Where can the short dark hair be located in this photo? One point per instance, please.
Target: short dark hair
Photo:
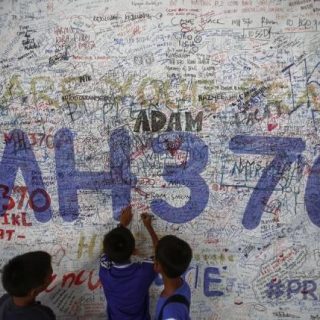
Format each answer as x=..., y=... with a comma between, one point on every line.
x=26, y=272
x=119, y=244
x=174, y=256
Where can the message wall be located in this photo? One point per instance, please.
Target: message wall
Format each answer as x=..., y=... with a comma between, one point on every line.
x=205, y=114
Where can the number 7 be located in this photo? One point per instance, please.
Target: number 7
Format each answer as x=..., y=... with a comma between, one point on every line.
x=285, y=150
x=42, y=135
x=22, y=190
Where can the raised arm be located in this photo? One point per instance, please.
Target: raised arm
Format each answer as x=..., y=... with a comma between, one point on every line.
x=146, y=218
x=125, y=217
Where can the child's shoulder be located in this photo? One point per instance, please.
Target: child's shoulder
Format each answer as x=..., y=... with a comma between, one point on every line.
x=37, y=311
x=4, y=298
x=40, y=311
x=105, y=262
x=146, y=264
x=140, y=260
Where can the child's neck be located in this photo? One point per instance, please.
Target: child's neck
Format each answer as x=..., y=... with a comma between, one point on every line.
x=23, y=301
x=171, y=285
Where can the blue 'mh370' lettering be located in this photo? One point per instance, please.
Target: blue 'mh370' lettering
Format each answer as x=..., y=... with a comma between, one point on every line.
x=18, y=154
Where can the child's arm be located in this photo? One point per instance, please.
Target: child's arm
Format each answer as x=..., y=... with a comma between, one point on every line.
x=125, y=217
x=146, y=218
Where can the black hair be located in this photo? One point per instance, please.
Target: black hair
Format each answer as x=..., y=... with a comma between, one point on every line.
x=26, y=272
x=173, y=255
x=119, y=244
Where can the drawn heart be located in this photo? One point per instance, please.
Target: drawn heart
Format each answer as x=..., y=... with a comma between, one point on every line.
x=271, y=126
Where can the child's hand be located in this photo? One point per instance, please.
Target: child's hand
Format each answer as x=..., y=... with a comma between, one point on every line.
x=146, y=219
x=126, y=216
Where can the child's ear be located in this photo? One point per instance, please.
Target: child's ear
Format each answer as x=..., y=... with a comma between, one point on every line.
x=33, y=293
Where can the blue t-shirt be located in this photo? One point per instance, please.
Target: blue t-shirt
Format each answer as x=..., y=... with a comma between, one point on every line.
x=175, y=310
x=36, y=311
x=126, y=288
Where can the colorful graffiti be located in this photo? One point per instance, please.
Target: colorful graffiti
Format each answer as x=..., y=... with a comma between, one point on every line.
x=203, y=113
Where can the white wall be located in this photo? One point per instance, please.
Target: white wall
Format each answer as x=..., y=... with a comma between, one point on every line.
x=82, y=81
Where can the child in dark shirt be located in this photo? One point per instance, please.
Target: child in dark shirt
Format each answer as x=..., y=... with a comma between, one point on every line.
x=24, y=277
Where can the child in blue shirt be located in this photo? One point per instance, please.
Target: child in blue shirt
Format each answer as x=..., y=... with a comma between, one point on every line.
x=126, y=284
x=24, y=277
x=172, y=259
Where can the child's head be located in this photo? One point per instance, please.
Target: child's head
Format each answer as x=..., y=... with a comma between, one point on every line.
x=27, y=274
x=119, y=244
x=173, y=255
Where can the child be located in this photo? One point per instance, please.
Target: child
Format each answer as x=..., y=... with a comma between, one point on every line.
x=126, y=284
x=172, y=259
x=24, y=277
